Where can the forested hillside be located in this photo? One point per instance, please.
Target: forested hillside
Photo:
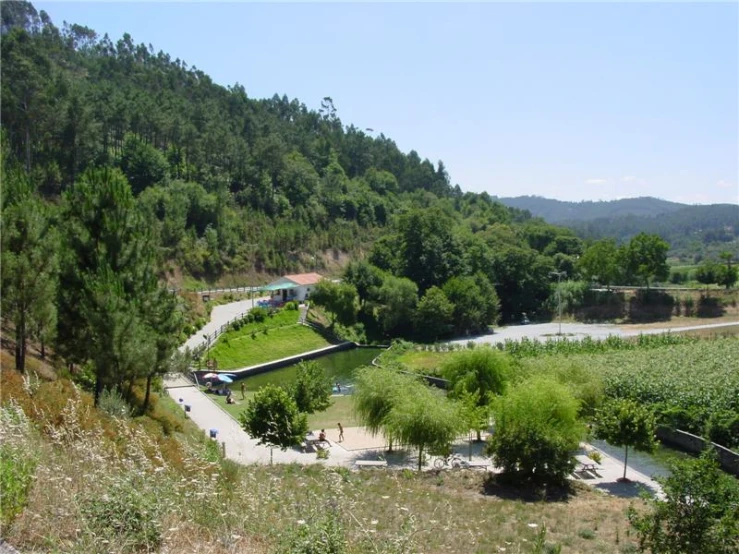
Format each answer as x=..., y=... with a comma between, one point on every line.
x=693, y=232
x=559, y=211
x=233, y=185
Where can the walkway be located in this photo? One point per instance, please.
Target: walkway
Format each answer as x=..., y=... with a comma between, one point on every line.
x=219, y=316
x=358, y=444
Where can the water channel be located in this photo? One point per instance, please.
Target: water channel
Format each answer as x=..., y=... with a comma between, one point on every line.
x=651, y=465
x=338, y=366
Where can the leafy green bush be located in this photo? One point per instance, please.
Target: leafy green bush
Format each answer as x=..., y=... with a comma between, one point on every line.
x=536, y=432
x=723, y=428
x=259, y=314
x=291, y=306
x=17, y=472
x=595, y=456
x=697, y=513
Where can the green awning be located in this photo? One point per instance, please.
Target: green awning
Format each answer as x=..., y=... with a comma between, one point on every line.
x=279, y=286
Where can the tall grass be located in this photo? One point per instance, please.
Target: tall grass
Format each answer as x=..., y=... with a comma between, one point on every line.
x=104, y=484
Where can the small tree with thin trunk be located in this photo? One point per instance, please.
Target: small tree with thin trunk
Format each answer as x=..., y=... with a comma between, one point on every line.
x=273, y=417
x=312, y=389
x=625, y=423
x=474, y=416
x=425, y=419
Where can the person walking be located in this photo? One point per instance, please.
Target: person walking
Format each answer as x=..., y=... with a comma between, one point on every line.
x=341, y=433
x=243, y=391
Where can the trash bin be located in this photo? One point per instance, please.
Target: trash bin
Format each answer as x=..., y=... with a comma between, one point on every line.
x=213, y=433
x=187, y=407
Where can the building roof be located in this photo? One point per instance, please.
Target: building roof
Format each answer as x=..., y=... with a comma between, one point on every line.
x=304, y=278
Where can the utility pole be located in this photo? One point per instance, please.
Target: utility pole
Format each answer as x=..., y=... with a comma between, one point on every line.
x=559, y=275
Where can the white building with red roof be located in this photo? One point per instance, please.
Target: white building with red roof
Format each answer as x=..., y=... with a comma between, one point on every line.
x=293, y=287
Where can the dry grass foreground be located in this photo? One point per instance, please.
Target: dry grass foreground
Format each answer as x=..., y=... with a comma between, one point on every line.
x=107, y=485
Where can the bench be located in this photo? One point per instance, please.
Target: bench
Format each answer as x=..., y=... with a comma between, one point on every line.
x=371, y=463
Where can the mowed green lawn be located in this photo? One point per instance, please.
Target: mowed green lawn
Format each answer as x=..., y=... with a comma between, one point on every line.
x=243, y=350
x=422, y=359
x=340, y=409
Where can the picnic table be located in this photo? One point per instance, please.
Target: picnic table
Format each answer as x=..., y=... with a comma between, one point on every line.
x=586, y=464
x=312, y=441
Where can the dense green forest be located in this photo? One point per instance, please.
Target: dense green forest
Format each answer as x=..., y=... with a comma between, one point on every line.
x=693, y=232
x=559, y=211
x=228, y=184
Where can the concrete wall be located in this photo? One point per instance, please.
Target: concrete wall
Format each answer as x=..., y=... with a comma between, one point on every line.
x=728, y=459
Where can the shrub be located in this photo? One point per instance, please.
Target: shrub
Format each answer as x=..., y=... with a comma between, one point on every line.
x=723, y=428
x=291, y=306
x=697, y=513
x=113, y=404
x=17, y=465
x=258, y=314
x=595, y=456
x=536, y=432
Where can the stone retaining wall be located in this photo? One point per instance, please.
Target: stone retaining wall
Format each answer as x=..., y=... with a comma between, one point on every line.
x=728, y=459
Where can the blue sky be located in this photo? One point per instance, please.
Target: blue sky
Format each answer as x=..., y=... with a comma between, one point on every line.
x=575, y=101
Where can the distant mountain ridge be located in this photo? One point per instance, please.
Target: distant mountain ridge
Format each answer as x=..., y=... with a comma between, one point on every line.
x=558, y=211
x=704, y=230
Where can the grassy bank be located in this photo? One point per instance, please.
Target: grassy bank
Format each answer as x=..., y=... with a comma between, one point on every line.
x=249, y=347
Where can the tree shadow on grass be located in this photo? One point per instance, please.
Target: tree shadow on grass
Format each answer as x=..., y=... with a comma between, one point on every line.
x=505, y=487
x=624, y=489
